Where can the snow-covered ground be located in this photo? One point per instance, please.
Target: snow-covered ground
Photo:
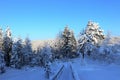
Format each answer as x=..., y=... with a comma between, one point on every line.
x=85, y=70
x=35, y=73
x=29, y=73
x=91, y=70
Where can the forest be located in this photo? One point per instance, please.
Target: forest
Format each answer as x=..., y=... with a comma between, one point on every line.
x=91, y=44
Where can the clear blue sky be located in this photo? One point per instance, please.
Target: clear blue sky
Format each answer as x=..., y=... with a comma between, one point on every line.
x=43, y=19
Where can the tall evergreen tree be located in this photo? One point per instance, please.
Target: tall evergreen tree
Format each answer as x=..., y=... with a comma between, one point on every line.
x=17, y=54
x=2, y=62
x=69, y=46
x=7, y=46
x=57, y=46
x=68, y=43
x=1, y=38
x=27, y=51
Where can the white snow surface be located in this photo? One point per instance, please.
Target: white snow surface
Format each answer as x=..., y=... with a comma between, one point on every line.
x=84, y=69
x=88, y=70
x=35, y=73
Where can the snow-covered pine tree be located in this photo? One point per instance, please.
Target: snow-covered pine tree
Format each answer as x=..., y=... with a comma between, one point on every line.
x=94, y=33
x=69, y=44
x=27, y=51
x=17, y=54
x=90, y=38
x=7, y=46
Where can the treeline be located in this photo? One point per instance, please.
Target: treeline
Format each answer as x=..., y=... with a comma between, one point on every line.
x=17, y=53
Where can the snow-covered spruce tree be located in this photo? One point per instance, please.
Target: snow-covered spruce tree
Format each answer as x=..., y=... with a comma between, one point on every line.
x=2, y=62
x=1, y=38
x=7, y=46
x=57, y=46
x=27, y=51
x=90, y=38
x=68, y=44
x=17, y=54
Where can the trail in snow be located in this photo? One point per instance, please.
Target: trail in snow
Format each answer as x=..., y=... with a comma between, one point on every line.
x=67, y=73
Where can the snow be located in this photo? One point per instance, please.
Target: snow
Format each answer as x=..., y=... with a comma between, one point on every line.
x=97, y=71
x=90, y=73
x=67, y=73
x=35, y=73
x=83, y=69
x=29, y=73
x=75, y=74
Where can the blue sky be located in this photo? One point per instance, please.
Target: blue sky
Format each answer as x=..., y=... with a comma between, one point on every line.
x=43, y=19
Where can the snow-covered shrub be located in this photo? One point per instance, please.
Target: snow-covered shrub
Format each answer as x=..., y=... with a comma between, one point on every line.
x=108, y=53
x=46, y=55
x=47, y=70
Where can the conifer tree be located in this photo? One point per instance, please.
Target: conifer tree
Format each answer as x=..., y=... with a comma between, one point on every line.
x=2, y=62
x=1, y=38
x=27, y=51
x=90, y=37
x=68, y=43
x=7, y=46
x=17, y=54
